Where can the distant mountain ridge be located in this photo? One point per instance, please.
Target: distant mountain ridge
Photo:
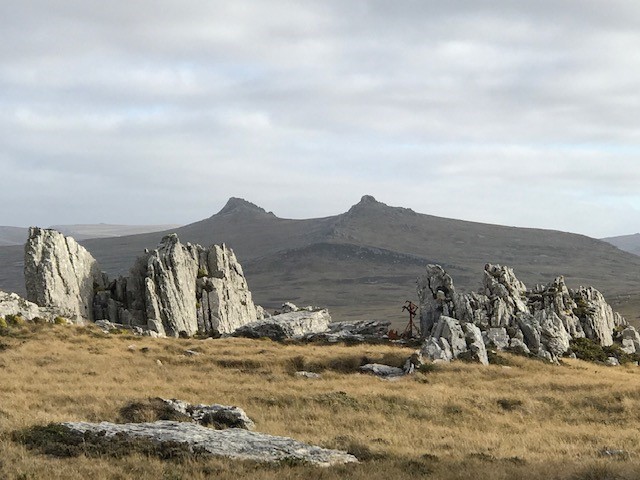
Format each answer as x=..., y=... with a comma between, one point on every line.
x=363, y=263
x=628, y=243
x=18, y=235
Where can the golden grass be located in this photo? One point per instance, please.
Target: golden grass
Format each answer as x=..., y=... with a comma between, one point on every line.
x=459, y=421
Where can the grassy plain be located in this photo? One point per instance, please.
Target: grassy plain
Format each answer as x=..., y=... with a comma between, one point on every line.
x=521, y=420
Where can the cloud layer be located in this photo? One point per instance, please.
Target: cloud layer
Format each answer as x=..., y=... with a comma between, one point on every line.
x=519, y=113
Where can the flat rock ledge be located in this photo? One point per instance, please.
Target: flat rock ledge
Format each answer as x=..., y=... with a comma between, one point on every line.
x=231, y=443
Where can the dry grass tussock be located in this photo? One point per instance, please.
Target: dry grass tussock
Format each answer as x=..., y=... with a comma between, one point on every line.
x=460, y=421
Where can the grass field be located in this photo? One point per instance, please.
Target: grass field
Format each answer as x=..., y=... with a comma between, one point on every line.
x=521, y=420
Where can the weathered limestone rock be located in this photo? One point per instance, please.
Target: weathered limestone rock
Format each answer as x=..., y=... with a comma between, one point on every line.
x=553, y=336
x=289, y=307
x=361, y=331
x=517, y=345
x=218, y=416
x=556, y=298
x=612, y=362
x=504, y=315
x=287, y=325
x=13, y=304
x=596, y=316
x=181, y=290
x=497, y=338
x=435, y=296
x=170, y=288
x=630, y=340
x=232, y=443
x=436, y=350
x=449, y=329
x=61, y=274
x=506, y=295
x=381, y=370
x=476, y=348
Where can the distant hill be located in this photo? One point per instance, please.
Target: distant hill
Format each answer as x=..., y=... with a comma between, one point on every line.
x=364, y=263
x=628, y=243
x=18, y=235
x=13, y=236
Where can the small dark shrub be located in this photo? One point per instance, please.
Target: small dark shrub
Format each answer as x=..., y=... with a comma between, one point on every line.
x=588, y=350
x=509, y=404
x=15, y=320
x=359, y=450
x=150, y=410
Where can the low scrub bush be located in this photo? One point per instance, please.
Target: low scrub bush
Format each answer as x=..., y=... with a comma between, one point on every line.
x=15, y=320
x=59, y=441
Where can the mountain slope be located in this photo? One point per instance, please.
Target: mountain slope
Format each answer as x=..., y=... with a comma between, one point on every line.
x=363, y=263
x=628, y=243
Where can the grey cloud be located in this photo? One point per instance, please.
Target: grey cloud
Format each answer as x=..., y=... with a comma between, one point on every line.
x=510, y=112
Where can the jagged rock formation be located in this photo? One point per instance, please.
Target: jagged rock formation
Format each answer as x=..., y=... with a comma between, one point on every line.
x=180, y=290
x=231, y=443
x=61, y=274
x=174, y=290
x=295, y=324
x=505, y=315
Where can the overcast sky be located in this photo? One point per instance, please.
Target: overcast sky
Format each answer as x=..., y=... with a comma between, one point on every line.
x=154, y=111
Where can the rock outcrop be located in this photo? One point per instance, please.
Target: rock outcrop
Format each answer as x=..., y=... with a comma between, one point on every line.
x=13, y=304
x=173, y=290
x=61, y=274
x=180, y=290
x=504, y=315
x=295, y=324
x=232, y=443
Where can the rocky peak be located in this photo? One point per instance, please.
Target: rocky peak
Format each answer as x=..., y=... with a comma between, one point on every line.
x=240, y=205
x=368, y=204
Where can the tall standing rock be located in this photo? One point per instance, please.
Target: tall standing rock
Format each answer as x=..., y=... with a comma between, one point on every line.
x=170, y=288
x=60, y=274
x=224, y=300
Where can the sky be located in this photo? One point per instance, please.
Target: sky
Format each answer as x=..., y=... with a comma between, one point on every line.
x=154, y=112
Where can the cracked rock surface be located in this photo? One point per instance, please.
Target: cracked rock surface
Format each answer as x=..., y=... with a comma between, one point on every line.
x=232, y=443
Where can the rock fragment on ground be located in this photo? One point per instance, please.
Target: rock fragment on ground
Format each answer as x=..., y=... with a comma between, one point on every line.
x=381, y=370
x=294, y=325
x=231, y=443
